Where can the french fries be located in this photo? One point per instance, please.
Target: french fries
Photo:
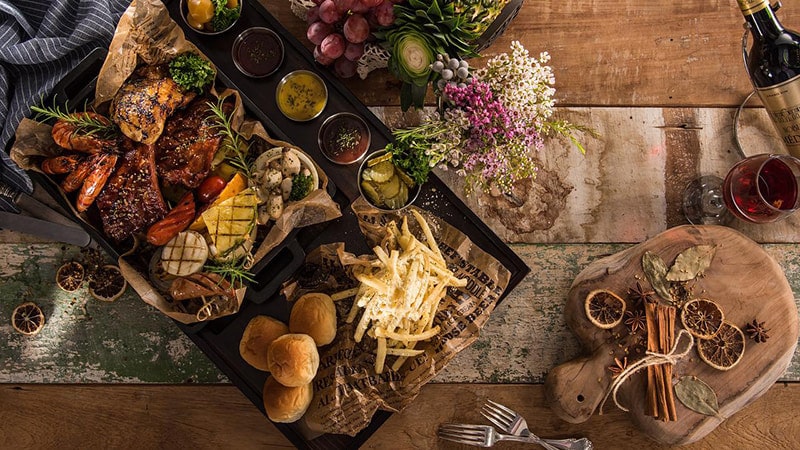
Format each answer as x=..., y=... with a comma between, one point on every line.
x=400, y=292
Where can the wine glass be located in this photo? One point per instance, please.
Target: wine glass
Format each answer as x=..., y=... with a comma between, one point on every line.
x=763, y=188
x=703, y=202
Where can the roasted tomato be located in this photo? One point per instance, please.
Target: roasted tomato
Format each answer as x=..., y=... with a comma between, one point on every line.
x=210, y=188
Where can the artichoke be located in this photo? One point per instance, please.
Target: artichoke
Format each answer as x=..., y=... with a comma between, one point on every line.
x=421, y=30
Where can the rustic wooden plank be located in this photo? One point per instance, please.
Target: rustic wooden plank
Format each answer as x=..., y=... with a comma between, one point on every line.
x=92, y=416
x=130, y=342
x=674, y=54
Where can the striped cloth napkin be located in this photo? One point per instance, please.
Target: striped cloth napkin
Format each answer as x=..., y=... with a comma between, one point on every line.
x=40, y=42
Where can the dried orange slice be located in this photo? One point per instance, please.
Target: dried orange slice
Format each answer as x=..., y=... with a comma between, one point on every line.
x=107, y=283
x=702, y=318
x=70, y=276
x=27, y=318
x=604, y=308
x=725, y=349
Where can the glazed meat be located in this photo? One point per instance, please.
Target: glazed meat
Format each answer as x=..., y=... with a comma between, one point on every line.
x=131, y=200
x=186, y=148
x=143, y=104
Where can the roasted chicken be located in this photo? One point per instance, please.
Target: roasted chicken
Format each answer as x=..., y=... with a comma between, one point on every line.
x=142, y=105
x=187, y=146
x=131, y=200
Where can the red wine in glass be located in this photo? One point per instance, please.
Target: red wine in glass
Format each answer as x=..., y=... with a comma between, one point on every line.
x=763, y=188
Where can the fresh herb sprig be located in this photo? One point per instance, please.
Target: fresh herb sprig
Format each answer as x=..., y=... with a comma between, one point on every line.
x=409, y=152
x=235, y=146
x=191, y=72
x=84, y=124
x=224, y=16
x=233, y=271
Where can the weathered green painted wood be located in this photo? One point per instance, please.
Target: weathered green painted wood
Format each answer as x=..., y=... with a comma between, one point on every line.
x=127, y=341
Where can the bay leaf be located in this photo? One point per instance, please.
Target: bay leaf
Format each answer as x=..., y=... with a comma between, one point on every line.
x=691, y=262
x=696, y=395
x=655, y=269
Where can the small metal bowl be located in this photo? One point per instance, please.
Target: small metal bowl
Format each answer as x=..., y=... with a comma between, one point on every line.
x=257, y=52
x=327, y=136
x=413, y=192
x=185, y=12
x=310, y=107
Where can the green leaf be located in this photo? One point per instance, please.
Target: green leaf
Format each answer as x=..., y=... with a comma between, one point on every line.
x=691, y=262
x=405, y=96
x=435, y=11
x=697, y=395
x=656, y=271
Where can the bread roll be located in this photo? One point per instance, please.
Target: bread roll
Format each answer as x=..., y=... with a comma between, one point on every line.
x=293, y=359
x=315, y=315
x=286, y=404
x=259, y=333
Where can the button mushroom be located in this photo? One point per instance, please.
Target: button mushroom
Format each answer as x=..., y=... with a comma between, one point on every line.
x=290, y=163
x=275, y=206
x=286, y=188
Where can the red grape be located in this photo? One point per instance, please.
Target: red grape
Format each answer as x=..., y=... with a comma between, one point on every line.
x=328, y=12
x=360, y=8
x=384, y=14
x=344, y=68
x=317, y=2
x=371, y=3
x=332, y=46
x=344, y=5
x=356, y=29
x=354, y=51
x=312, y=15
x=322, y=59
x=318, y=31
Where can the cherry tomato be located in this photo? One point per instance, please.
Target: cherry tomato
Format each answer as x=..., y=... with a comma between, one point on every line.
x=210, y=188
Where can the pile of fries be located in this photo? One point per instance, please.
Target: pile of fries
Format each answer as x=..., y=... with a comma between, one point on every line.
x=400, y=292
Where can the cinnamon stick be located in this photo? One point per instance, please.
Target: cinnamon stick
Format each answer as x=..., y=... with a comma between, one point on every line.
x=652, y=346
x=660, y=320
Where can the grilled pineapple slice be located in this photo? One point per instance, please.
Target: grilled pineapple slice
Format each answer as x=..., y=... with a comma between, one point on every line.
x=229, y=223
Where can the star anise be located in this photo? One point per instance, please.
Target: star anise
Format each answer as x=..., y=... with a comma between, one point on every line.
x=618, y=367
x=635, y=320
x=638, y=295
x=757, y=331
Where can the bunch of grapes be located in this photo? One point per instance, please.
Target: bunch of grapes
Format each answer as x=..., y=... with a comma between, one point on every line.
x=339, y=29
x=452, y=71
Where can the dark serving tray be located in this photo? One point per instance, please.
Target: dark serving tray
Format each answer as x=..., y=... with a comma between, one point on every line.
x=219, y=339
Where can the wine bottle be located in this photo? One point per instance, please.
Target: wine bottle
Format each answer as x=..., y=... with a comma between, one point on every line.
x=773, y=64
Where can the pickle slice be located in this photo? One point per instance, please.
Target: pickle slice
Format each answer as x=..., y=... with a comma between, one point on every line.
x=390, y=188
x=407, y=180
x=374, y=161
x=380, y=173
x=372, y=192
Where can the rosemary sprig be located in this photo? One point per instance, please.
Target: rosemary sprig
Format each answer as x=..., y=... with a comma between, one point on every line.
x=233, y=271
x=236, y=147
x=84, y=123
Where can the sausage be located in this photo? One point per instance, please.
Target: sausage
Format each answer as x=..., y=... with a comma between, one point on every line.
x=199, y=285
x=95, y=181
x=176, y=220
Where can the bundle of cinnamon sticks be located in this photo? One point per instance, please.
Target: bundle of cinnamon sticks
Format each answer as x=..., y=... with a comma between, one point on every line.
x=660, y=339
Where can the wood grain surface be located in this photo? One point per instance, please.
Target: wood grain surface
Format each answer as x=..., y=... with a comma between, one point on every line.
x=742, y=279
x=219, y=416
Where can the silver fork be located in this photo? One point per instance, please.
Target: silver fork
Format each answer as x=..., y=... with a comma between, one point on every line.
x=479, y=435
x=508, y=421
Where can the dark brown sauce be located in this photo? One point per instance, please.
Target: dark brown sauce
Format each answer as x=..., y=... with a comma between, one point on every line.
x=344, y=139
x=258, y=52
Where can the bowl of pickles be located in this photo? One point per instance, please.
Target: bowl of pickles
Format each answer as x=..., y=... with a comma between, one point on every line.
x=384, y=185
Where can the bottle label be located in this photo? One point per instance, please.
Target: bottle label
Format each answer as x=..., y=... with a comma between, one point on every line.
x=782, y=102
x=749, y=7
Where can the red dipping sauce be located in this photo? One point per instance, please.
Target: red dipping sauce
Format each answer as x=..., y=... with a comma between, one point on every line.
x=258, y=52
x=344, y=138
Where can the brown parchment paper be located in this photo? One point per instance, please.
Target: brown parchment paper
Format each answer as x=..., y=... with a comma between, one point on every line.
x=146, y=34
x=347, y=391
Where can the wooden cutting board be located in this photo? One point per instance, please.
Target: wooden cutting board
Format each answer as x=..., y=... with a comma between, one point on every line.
x=746, y=283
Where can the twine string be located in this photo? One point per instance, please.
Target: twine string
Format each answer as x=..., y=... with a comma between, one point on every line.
x=650, y=359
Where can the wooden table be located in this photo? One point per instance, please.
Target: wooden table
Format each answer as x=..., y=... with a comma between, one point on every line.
x=660, y=82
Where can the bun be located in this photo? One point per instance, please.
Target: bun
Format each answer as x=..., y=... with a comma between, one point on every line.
x=315, y=315
x=286, y=404
x=293, y=359
x=257, y=336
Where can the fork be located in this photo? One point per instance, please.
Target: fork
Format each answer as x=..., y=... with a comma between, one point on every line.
x=508, y=421
x=479, y=435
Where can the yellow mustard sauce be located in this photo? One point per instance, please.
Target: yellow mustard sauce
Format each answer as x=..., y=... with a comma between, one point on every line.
x=302, y=96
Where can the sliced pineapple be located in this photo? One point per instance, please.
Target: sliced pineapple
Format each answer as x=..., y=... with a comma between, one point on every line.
x=229, y=223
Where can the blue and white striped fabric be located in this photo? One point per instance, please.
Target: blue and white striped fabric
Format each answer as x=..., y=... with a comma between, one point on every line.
x=40, y=42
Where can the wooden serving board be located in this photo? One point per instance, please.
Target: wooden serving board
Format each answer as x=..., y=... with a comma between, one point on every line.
x=746, y=283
